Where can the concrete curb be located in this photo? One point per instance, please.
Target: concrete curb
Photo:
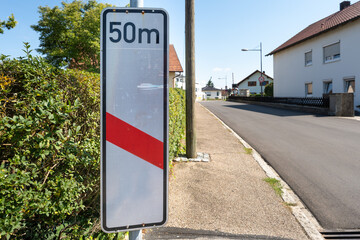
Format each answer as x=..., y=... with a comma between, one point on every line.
x=301, y=213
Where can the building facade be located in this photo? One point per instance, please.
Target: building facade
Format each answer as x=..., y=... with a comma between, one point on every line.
x=211, y=92
x=199, y=94
x=321, y=59
x=175, y=68
x=252, y=83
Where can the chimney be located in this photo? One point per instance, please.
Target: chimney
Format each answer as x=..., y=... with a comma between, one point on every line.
x=344, y=5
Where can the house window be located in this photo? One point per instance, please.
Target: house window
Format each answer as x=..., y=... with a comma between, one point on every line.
x=217, y=94
x=252, y=84
x=349, y=85
x=328, y=87
x=308, y=89
x=208, y=94
x=332, y=52
x=308, y=58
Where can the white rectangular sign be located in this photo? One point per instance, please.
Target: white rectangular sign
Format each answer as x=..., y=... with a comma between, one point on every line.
x=134, y=118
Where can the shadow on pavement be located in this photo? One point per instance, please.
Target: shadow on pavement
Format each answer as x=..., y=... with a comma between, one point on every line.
x=272, y=110
x=186, y=233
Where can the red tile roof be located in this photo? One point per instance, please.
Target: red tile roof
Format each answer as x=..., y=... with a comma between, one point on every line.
x=337, y=19
x=174, y=63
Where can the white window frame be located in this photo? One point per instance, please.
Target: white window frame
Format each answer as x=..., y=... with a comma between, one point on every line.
x=333, y=58
x=346, y=84
x=310, y=62
x=326, y=84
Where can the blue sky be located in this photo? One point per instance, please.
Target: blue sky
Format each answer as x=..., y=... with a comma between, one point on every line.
x=222, y=29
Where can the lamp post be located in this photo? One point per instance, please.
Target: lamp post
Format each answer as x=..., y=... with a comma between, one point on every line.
x=225, y=78
x=261, y=71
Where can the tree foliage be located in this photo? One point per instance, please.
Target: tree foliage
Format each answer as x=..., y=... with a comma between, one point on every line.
x=269, y=90
x=70, y=34
x=9, y=24
x=210, y=83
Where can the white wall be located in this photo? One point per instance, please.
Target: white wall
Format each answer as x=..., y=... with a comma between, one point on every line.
x=171, y=79
x=199, y=93
x=290, y=73
x=257, y=88
x=213, y=94
x=179, y=82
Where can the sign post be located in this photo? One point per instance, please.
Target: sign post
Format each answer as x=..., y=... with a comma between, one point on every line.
x=134, y=118
x=261, y=79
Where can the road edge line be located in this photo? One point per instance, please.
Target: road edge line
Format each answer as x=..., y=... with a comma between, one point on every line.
x=300, y=212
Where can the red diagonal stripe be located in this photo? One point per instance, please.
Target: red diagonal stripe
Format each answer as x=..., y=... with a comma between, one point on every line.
x=134, y=141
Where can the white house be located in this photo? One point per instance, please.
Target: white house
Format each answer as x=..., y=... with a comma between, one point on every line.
x=252, y=83
x=212, y=93
x=179, y=81
x=199, y=94
x=323, y=58
x=175, y=68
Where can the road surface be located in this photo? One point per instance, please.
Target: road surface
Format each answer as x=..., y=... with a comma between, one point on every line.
x=318, y=156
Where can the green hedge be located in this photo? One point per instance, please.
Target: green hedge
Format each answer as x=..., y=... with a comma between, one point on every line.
x=269, y=90
x=176, y=122
x=50, y=150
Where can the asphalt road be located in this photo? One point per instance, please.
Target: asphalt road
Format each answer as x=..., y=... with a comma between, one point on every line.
x=318, y=156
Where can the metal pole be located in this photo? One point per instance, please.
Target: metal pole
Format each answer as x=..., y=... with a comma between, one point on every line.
x=261, y=68
x=190, y=78
x=136, y=234
x=136, y=3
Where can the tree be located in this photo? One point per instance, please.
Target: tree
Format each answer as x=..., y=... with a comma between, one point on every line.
x=70, y=34
x=269, y=90
x=10, y=23
x=210, y=83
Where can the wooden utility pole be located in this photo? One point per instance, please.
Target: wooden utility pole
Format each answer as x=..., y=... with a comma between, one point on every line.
x=190, y=78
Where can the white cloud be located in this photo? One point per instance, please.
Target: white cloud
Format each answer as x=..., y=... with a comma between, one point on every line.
x=217, y=69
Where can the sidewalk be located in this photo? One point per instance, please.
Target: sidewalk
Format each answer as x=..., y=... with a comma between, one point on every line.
x=225, y=198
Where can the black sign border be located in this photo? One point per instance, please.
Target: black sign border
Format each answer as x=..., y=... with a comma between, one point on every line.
x=103, y=123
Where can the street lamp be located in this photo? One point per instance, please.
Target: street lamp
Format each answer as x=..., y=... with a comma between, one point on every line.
x=225, y=78
x=261, y=71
